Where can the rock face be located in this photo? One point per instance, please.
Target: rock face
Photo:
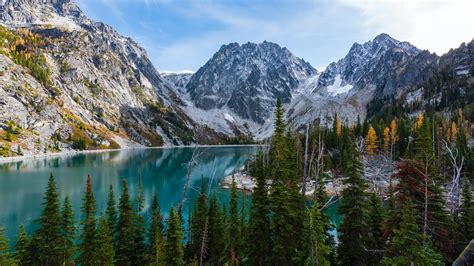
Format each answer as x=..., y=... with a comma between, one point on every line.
x=247, y=79
x=101, y=85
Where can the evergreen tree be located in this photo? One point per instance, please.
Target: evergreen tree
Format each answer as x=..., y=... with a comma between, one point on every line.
x=88, y=235
x=105, y=254
x=155, y=233
x=318, y=252
x=48, y=241
x=22, y=255
x=112, y=212
x=375, y=238
x=125, y=229
x=259, y=228
x=406, y=247
x=466, y=214
x=198, y=225
x=174, y=251
x=216, y=250
x=353, y=207
x=68, y=232
x=4, y=250
x=139, y=227
x=233, y=226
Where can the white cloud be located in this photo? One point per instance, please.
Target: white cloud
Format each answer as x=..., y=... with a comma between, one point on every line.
x=433, y=25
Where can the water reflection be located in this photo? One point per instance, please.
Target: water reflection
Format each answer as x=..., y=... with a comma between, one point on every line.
x=22, y=184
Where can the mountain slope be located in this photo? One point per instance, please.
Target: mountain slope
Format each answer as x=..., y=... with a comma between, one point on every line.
x=102, y=84
x=247, y=79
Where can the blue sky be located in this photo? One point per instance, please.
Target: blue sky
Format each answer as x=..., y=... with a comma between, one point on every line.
x=181, y=35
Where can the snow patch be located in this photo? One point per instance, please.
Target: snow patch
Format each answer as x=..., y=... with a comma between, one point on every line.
x=336, y=88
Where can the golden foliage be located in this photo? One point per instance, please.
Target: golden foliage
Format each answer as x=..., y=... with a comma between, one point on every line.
x=371, y=141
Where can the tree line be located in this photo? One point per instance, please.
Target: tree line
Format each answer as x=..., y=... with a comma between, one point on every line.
x=424, y=216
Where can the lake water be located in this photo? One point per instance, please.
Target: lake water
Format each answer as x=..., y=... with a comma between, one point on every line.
x=22, y=184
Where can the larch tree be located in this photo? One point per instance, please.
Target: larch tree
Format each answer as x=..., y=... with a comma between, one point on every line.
x=386, y=140
x=371, y=141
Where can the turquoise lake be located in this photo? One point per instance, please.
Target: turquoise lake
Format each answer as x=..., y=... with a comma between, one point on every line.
x=164, y=170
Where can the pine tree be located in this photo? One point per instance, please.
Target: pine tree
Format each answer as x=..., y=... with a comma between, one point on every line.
x=406, y=247
x=68, y=232
x=234, y=232
x=4, y=249
x=259, y=228
x=353, y=207
x=198, y=225
x=375, y=238
x=125, y=229
x=371, y=141
x=112, y=212
x=105, y=254
x=318, y=252
x=174, y=251
x=155, y=233
x=216, y=250
x=466, y=214
x=48, y=237
x=88, y=235
x=139, y=227
x=22, y=255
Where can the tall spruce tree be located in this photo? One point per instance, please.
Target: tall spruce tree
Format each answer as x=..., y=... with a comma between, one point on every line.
x=125, y=229
x=105, y=254
x=353, y=208
x=111, y=213
x=406, y=247
x=174, y=240
x=198, y=225
x=317, y=252
x=155, y=233
x=48, y=241
x=259, y=227
x=216, y=250
x=68, y=232
x=466, y=214
x=5, y=256
x=88, y=236
x=22, y=255
x=139, y=226
x=375, y=239
x=233, y=226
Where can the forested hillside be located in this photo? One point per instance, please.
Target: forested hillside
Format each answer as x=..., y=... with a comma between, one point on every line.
x=420, y=213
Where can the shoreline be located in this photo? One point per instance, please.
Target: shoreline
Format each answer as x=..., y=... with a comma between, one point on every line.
x=13, y=159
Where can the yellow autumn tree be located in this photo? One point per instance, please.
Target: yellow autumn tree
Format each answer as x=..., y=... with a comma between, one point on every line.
x=453, y=131
x=338, y=126
x=371, y=141
x=386, y=139
x=419, y=121
x=393, y=135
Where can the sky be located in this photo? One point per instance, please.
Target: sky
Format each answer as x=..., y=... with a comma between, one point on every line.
x=181, y=35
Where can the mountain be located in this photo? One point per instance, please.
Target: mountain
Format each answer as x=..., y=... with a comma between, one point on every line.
x=247, y=79
x=96, y=85
x=382, y=67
